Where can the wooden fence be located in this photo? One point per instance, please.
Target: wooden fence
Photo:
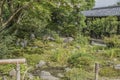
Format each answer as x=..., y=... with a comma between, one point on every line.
x=14, y=61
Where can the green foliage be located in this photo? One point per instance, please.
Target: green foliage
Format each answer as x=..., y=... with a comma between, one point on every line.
x=79, y=74
x=81, y=60
x=66, y=17
x=82, y=40
x=118, y=3
x=109, y=72
x=113, y=41
x=103, y=26
x=6, y=45
x=33, y=59
x=112, y=53
x=60, y=56
x=5, y=68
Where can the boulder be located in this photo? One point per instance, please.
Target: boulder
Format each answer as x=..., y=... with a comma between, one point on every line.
x=18, y=42
x=45, y=73
x=67, y=69
x=12, y=73
x=77, y=47
x=47, y=76
x=117, y=66
x=48, y=38
x=68, y=39
x=24, y=43
x=4, y=78
x=60, y=75
x=30, y=76
x=32, y=36
x=41, y=64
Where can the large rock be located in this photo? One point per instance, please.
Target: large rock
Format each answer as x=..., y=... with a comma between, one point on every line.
x=97, y=42
x=48, y=38
x=4, y=78
x=30, y=76
x=47, y=76
x=12, y=73
x=68, y=39
x=60, y=75
x=117, y=66
x=41, y=64
x=67, y=69
x=32, y=36
x=24, y=43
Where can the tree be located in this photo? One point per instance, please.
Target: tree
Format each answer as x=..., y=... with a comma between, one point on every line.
x=21, y=18
x=103, y=27
x=67, y=18
x=10, y=12
x=118, y=3
x=65, y=11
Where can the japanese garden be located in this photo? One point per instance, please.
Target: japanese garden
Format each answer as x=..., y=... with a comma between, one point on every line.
x=60, y=40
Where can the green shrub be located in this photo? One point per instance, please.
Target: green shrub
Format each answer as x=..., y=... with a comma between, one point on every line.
x=81, y=60
x=5, y=68
x=113, y=41
x=33, y=59
x=79, y=74
x=82, y=39
x=111, y=53
x=60, y=56
x=109, y=72
x=103, y=27
x=6, y=45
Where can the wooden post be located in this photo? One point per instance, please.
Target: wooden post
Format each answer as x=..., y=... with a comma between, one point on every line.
x=96, y=71
x=18, y=71
x=14, y=61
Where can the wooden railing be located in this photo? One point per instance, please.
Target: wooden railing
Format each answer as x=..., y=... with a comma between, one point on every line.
x=14, y=61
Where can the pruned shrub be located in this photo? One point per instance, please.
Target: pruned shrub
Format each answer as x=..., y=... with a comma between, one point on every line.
x=81, y=60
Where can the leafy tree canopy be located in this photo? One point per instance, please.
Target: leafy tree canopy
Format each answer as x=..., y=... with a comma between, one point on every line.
x=32, y=15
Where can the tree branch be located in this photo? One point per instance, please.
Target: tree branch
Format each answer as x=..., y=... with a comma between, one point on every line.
x=1, y=11
x=12, y=17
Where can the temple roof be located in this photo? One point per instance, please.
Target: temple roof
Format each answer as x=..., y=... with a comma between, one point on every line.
x=103, y=11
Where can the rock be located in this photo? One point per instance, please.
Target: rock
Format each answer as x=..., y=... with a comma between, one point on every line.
x=30, y=76
x=60, y=75
x=32, y=36
x=41, y=64
x=68, y=39
x=4, y=78
x=12, y=73
x=51, y=39
x=67, y=69
x=109, y=63
x=24, y=43
x=18, y=42
x=97, y=42
x=48, y=38
x=47, y=76
x=45, y=73
x=78, y=47
x=117, y=66
x=115, y=59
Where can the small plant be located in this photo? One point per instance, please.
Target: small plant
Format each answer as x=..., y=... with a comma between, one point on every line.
x=81, y=60
x=113, y=41
x=79, y=74
x=109, y=72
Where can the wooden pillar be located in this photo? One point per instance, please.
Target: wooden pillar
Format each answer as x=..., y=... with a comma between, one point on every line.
x=18, y=71
x=14, y=61
x=96, y=71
